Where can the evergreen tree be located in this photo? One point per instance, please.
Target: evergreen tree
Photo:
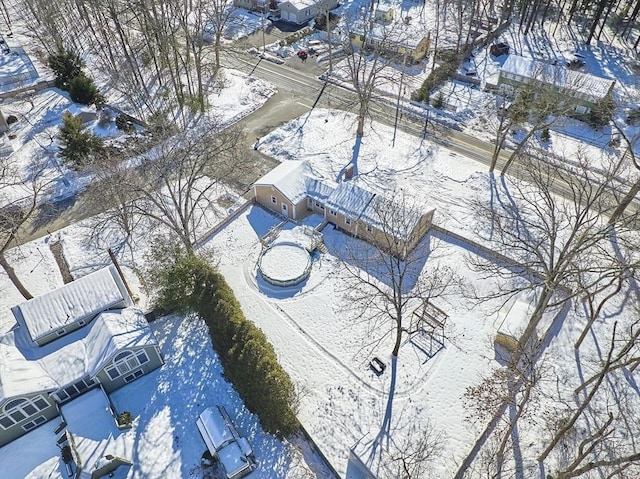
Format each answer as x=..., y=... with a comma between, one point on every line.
x=83, y=90
x=601, y=113
x=66, y=65
x=77, y=145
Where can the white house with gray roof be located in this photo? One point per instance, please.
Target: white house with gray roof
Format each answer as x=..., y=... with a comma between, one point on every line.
x=583, y=89
x=99, y=340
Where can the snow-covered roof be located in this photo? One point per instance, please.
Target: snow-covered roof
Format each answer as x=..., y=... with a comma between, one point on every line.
x=386, y=215
x=76, y=109
x=97, y=440
x=558, y=75
x=289, y=177
x=81, y=299
x=517, y=315
x=301, y=4
x=318, y=189
x=397, y=33
x=349, y=199
x=26, y=368
x=214, y=429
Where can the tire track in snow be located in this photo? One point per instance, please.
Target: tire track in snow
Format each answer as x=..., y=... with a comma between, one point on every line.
x=417, y=385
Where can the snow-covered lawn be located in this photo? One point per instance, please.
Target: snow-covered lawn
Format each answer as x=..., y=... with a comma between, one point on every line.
x=34, y=143
x=326, y=349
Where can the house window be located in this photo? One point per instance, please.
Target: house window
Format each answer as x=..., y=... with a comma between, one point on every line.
x=61, y=332
x=6, y=422
x=142, y=357
x=333, y=213
x=20, y=409
x=274, y=200
x=126, y=362
x=347, y=221
x=133, y=376
x=74, y=389
x=36, y=422
x=369, y=228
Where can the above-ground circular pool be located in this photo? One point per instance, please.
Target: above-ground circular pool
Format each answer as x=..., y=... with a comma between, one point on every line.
x=285, y=264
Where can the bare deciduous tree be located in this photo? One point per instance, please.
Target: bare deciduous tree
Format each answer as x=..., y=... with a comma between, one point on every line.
x=175, y=184
x=551, y=226
x=387, y=280
x=20, y=199
x=370, y=62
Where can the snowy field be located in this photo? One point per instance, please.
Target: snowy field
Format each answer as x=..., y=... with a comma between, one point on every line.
x=320, y=340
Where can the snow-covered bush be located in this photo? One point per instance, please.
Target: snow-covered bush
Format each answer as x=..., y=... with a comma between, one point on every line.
x=188, y=283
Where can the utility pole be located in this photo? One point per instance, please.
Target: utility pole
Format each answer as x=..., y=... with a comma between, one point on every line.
x=262, y=9
x=395, y=125
x=328, y=27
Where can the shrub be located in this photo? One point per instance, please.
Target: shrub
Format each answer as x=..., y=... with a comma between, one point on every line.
x=78, y=146
x=66, y=65
x=124, y=418
x=83, y=90
x=438, y=102
x=189, y=283
x=321, y=20
x=11, y=119
x=124, y=124
x=601, y=113
x=545, y=135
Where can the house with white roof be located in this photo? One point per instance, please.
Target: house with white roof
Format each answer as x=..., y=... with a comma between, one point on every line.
x=301, y=11
x=390, y=37
x=293, y=11
x=582, y=89
x=81, y=336
x=292, y=190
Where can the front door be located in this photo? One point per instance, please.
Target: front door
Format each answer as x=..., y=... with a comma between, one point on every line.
x=285, y=212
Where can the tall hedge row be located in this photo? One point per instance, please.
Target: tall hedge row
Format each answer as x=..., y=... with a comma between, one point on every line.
x=249, y=360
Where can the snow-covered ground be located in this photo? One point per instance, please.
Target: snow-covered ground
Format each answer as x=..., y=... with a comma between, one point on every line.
x=322, y=342
x=34, y=138
x=164, y=441
x=320, y=339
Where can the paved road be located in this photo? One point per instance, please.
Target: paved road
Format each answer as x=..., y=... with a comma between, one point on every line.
x=298, y=87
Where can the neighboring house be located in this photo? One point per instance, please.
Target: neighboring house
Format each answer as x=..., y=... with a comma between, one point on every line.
x=66, y=342
x=582, y=89
x=293, y=11
x=392, y=39
x=301, y=11
x=291, y=190
x=383, y=15
x=256, y=5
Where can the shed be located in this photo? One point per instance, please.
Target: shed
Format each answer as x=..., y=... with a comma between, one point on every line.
x=85, y=113
x=516, y=316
